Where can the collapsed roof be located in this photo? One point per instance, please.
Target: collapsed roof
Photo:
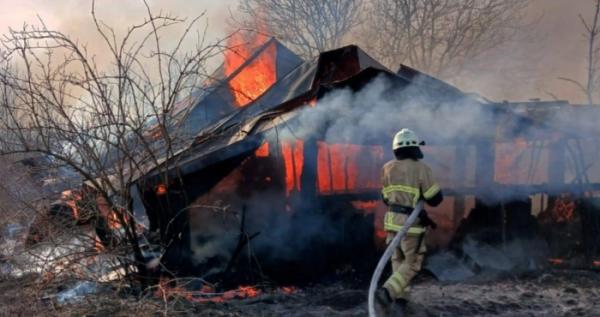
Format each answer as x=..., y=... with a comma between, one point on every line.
x=224, y=124
x=216, y=121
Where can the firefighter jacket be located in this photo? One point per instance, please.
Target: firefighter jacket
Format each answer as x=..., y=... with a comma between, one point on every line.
x=404, y=183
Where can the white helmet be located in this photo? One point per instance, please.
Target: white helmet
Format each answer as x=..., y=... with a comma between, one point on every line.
x=405, y=138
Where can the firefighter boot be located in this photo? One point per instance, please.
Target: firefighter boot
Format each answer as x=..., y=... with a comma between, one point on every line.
x=399, y=308
x=383, y=302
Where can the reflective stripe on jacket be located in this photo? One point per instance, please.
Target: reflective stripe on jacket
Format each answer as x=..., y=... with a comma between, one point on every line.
x=404, y=183
x=393, y=222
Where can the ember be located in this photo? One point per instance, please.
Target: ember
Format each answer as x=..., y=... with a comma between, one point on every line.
x=161, y=189
x=288, y=290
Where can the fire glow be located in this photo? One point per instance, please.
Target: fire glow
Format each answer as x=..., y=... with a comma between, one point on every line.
x=556, y=261
x=337, y=167
x=254, y=78
x=564, y=209
x=376, y=208
x=293, y=155
x=507, y=158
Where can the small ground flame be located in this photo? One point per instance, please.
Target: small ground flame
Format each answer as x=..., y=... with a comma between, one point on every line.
x=169, y=289
x=556, y=261
x=288, y=290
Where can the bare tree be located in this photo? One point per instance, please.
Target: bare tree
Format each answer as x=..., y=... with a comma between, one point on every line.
x=592, y=29
x=307, y=27
x=439, y=36
x=109, y=122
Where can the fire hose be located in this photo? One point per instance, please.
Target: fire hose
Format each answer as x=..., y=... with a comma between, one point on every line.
x=388, y=254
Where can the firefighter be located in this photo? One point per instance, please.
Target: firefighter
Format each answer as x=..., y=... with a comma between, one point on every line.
x=405, y=181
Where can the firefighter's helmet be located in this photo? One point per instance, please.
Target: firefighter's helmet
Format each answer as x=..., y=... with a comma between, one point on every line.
x=406, y=138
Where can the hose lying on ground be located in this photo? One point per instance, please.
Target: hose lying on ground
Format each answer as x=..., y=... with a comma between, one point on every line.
x=388, y=254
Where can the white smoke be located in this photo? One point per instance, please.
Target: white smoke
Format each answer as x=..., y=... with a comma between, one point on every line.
x=380, y=109
x=373, y=114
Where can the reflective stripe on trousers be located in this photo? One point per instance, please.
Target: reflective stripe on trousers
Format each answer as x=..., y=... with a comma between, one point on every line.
x=396, y=284
x=407, y=261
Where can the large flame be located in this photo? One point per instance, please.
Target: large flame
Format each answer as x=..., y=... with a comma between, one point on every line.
x=348, y=167
x=340, y=167
x=257, y=76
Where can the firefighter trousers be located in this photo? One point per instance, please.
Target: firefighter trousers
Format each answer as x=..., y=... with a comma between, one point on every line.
x=406, y=263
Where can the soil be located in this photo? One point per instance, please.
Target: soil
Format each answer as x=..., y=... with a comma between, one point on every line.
x=549, y=293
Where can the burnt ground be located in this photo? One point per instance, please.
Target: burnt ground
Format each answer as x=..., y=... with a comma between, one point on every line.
x=552, y=293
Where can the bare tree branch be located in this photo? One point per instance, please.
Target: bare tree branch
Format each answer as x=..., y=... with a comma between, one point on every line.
x=439, y=36
x=307, y=27
x=56, y=101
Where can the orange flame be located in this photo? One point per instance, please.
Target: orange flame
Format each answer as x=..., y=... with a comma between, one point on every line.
x=293, y=158
x=338, y=167
x=161, y=189
x=380, y=234
x=257, y=76
x=113, y=221
x=367, y=206
x=71, y=197
x=98, y=245
x=249, y=291
x=205, y=295
x=263, y=150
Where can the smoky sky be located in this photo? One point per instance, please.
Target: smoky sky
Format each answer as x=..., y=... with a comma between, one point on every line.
x=551, y=46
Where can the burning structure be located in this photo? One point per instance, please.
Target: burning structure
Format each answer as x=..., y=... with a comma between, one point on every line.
x=285, y=156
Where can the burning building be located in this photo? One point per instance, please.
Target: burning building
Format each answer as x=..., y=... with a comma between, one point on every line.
x=283, y=164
